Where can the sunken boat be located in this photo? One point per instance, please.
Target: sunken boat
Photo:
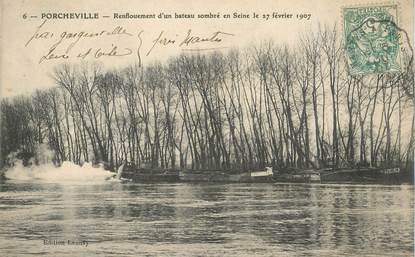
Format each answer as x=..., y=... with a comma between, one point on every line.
x=147, y=174
x=298, y=176
x=362, y=175
x=226, y=176
x=367, y=175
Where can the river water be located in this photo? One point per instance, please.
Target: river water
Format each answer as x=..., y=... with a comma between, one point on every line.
x=205, y=219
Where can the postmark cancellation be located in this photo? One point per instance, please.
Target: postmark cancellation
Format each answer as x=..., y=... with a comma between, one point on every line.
x=372, y=39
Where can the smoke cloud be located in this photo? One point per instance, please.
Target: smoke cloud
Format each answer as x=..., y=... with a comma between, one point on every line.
x=40, y=168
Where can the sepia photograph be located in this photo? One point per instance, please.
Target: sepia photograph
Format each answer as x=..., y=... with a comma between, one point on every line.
x=207, y=128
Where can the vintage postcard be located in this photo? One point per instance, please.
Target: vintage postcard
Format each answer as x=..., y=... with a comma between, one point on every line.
x=207, y=128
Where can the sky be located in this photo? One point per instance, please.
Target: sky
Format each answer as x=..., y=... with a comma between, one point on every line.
x=28, y=56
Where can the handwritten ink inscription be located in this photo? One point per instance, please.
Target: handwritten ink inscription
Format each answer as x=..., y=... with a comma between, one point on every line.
x=118, y=41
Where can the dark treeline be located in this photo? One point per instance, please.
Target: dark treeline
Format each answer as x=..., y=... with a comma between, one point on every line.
x=265, y=105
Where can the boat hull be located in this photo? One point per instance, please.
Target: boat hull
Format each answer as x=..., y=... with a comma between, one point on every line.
x=213, y=177
x=220, y=176
x=367, y=175
x=298, y=178
x=151, y=176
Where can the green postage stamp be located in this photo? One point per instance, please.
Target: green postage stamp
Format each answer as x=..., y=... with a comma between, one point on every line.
x=372, y=39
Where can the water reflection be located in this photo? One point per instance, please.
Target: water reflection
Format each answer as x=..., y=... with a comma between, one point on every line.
x=208, y=219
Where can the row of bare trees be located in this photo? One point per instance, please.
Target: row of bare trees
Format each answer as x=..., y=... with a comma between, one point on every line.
x=265, y=105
